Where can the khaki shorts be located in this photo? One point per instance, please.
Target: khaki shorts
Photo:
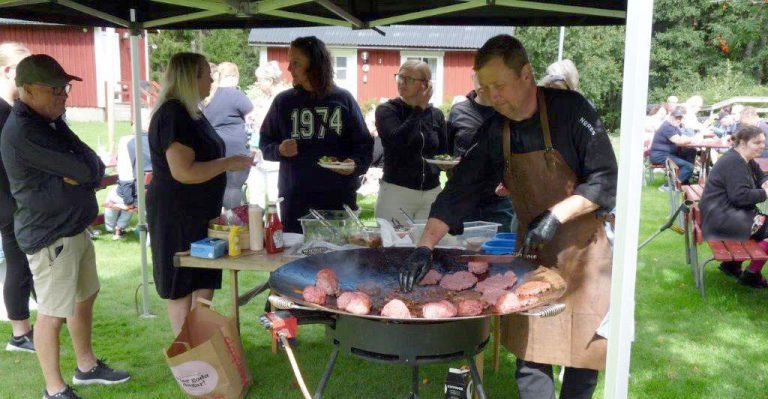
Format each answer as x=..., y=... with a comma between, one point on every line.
x=64, y=274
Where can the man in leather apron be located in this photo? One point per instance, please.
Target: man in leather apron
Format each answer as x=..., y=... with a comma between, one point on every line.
x=549, y=148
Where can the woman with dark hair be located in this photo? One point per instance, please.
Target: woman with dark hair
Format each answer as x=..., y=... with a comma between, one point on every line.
x=315, y=119
x=728, y=206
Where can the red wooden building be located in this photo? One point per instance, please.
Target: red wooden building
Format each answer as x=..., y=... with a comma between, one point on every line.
x=97, y=55
x=365, y=61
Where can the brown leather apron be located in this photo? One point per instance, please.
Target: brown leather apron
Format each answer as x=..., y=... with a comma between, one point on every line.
x=580, y=252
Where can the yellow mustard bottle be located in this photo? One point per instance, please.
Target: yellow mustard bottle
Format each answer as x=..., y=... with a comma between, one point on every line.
x=234, y=241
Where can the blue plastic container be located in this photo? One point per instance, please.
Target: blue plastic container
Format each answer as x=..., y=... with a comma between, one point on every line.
x=505, y=236
x=498, y=247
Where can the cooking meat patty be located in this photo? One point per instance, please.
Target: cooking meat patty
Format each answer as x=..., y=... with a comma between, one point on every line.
x=508, y=303
x=531, y=288
x=458, y=281
x=497, y=282
x=470, y=307
x=477, y=267
x=438, y=310
x=313, y=294
x=328, y=282
x=431, y=278
x=490, y=296
x=396, y=309
x=354, y=302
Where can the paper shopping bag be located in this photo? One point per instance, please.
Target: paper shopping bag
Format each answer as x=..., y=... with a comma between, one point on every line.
x=206, y=358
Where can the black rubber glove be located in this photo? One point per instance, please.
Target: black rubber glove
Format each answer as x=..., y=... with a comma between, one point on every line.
x=541, y=230
x=415, y=267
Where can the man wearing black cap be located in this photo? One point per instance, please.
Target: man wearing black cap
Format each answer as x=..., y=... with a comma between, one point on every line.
x=53, y=175
x=665, y=142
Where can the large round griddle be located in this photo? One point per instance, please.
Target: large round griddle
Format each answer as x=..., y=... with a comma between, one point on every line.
x=375, y=272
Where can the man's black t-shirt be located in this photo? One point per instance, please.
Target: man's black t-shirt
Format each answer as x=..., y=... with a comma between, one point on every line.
x=662, y=146
x=577, y=134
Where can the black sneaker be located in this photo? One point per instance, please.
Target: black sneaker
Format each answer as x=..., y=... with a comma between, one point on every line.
x=732, y=269
x=755, y=280
x=100, y=374
x=67, y=393
x=23, y=343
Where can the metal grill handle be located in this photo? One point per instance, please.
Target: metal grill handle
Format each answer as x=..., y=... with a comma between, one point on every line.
x=546, y=311
x=279, y=302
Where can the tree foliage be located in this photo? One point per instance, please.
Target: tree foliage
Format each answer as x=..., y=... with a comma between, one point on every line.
x=217, y=45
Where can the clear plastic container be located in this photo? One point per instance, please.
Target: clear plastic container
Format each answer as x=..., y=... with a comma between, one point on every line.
x=475, y=234
x=338, y=233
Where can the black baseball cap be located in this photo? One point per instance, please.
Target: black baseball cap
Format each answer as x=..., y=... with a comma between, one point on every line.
x=678, y=112
x=42, y=69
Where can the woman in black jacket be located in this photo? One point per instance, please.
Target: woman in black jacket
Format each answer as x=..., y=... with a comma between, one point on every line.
x=411, y=131
x=729, y=204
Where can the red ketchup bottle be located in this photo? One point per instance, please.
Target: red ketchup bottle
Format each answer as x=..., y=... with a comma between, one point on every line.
x=273, y=235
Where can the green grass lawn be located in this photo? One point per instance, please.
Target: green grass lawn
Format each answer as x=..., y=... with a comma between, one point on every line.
x=685, y=347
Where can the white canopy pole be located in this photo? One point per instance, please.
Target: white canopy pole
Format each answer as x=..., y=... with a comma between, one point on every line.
x=560, y=46
x=139, y=175
x=637, y=50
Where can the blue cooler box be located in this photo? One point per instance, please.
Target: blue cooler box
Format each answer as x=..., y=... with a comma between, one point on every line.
x=209, y=248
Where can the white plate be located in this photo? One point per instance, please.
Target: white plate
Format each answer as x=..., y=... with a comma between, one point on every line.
x=441, y=162
x=337, y=165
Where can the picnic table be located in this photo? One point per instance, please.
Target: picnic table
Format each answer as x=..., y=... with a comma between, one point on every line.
x=703, y=148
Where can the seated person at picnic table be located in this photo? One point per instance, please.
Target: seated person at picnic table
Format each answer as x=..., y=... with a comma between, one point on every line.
x=121, y=199
x=665, y=143
x=729, y=203
x=749, y=117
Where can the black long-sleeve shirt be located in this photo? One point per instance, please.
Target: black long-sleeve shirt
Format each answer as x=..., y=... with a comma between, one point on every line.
x=7, y=203
x=37, y=155
x=409, y=135
x=577, y=134
x=729, y=203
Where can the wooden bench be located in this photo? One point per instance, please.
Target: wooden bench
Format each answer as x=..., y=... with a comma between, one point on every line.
x=722, y=251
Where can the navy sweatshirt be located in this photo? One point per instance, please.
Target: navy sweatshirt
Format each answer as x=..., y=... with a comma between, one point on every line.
x=336, y=128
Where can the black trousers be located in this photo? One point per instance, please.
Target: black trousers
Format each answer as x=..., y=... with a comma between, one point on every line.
x=18, y=277
x=535, y=381
x=297, y=205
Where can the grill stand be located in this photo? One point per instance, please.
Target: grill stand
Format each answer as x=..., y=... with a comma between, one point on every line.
x=477, y=381
x=382, y=342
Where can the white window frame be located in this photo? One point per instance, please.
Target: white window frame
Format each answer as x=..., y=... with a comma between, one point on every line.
x=437, y=80
x=351, y=55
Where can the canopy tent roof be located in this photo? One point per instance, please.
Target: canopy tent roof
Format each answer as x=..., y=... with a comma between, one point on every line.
x=204, y=14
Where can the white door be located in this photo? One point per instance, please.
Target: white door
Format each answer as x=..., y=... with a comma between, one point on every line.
x=344, y=62
x=435, y=61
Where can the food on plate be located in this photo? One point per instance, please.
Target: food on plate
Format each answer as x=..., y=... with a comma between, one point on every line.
x=328, y=159
x=328, y=282
x=508, y=303
x=396, y=309
x=431, y=278
x=438, y=310
x=470, y=307
x=533, y=288
x=458, y=281
x=354, y=302
x=477, y=267
x=314, y=295
x=445, y=157
x=497, y=282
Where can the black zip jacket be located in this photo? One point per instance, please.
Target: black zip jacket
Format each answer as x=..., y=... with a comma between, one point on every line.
x=409, y=135
x=37, y=155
